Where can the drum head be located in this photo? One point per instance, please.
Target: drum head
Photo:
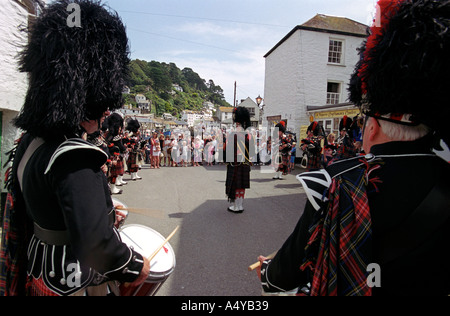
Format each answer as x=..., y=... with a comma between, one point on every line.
x=145, y=241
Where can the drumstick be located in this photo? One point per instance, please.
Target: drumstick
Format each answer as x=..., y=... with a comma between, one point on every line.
x=163, y=244
x=142, y=211
x=256, y=265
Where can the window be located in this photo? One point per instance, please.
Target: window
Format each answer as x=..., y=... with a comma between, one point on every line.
x=327, y=125
x=333, y=93
x=335, y=52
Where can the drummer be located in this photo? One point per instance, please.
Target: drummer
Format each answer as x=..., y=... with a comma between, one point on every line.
x=73, y=248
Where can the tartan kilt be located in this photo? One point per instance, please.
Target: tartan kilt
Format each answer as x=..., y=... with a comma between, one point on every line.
x=132, y=162
x=118, y=169
x=314, y=162
x=36, y=287
x=284, y=163
x=238, y=177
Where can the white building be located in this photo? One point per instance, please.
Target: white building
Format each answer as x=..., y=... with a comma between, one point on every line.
x=310, y=67
x=167, y=116
x=193, y=118
x=254, y=110
x=143, y=103
x=177, y=87
x=14, y=15
x=225, y=116
x=207, y=105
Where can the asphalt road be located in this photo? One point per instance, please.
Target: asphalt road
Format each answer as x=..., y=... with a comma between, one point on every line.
x=214, y=247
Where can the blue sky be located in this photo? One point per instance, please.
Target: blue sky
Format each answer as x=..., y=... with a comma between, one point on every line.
x=223, y=40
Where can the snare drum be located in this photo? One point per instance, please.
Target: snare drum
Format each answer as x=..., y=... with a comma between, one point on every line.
x=121, y=213
x=145, y=241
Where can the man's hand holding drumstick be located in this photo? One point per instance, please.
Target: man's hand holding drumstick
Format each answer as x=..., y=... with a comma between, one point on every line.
x=257, y=266
x=144, y=273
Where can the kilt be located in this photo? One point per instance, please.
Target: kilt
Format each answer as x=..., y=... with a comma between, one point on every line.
x=314, y=161
x=36, y=287
x=284, y=164
x=238, y=177
x=132, y=162
x=118, y=169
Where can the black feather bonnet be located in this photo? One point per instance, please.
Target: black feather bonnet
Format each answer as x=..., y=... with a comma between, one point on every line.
x=133, y=126
x=114, y=123
x=75, y=73
x=405, y=64
x=241, y=115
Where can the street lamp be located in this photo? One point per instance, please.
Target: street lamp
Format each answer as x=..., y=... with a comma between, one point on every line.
x=261, y=110
x=259, y=100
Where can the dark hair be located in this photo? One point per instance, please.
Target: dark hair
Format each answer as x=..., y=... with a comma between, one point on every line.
x=404, y=68
x=76, y=73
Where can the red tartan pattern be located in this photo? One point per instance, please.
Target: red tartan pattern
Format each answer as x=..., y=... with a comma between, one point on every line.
x=314, y=162
x=118, y=169
x=132, y=162
x=37, y=287
x=344, y=236
x=13, y=251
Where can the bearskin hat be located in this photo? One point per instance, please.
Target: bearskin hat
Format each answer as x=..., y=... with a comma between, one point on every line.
x=133, y=126
x=315, y=128
x=241, y=115
x=281, y=126
x=346, y=123
x=114, y=123
x=75, y=73
x=404, y=65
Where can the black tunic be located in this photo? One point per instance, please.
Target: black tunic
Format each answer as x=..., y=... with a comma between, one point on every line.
x=73, y=196
x=414, y=263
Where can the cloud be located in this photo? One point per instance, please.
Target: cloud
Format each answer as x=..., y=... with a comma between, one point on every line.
x=228, y=51
x=243, y=62
x=249, y=74
x=209, y=30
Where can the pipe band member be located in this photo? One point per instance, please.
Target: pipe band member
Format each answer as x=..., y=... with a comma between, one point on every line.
x=60, y=237
x=374, y=225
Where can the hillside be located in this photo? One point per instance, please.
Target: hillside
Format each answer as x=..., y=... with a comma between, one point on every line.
x=155, y=80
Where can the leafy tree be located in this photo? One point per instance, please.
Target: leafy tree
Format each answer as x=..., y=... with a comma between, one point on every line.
x=155, y=80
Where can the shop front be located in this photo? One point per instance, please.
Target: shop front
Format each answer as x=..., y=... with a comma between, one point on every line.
x=329, y=116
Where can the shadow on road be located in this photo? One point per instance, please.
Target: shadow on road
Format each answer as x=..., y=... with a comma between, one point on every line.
x=216, y=247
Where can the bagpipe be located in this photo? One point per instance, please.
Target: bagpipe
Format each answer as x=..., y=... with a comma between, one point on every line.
x=314, y=144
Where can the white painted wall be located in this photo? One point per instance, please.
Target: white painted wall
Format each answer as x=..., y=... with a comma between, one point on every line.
x=13, y=84
x=297, y=73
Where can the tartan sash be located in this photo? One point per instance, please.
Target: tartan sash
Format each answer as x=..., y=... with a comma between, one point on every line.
x=16, y=233
x=13, y=259
x=340, y=246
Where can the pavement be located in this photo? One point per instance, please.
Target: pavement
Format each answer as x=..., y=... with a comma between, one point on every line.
x=214, y=247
